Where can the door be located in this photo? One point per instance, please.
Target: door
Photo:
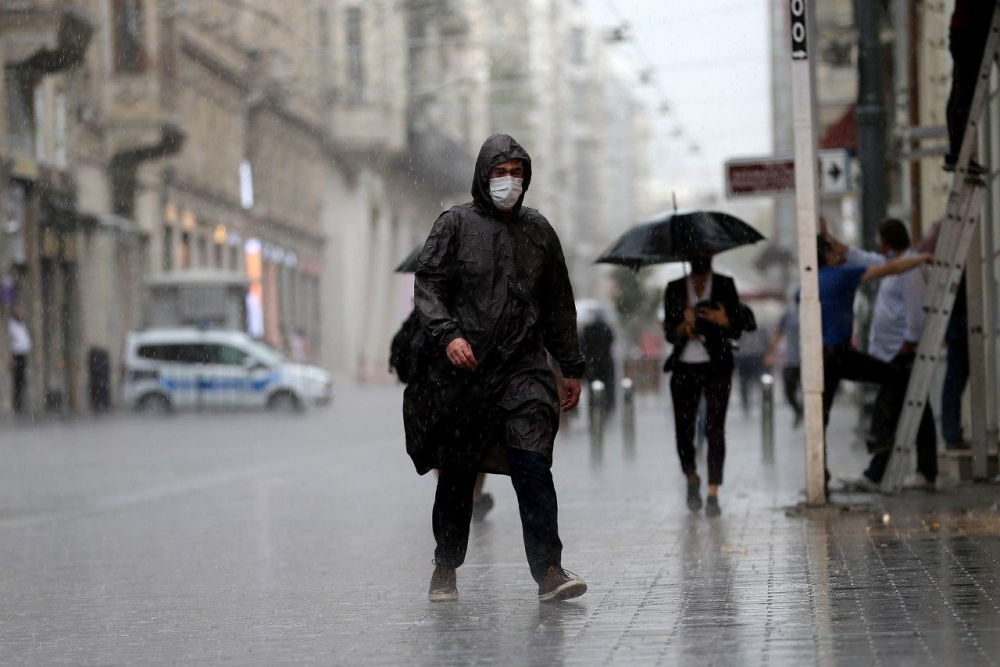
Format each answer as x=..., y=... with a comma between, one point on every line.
x=227, y=382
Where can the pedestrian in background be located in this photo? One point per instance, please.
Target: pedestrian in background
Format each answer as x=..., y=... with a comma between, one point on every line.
x=896, y=327
x=702, y=316
x=20, y=348
x=956, y=375
x=791, y=369
x=493, y=295
x=299, y=347
x=402, y=360
x=596, y=342
x=750, y=365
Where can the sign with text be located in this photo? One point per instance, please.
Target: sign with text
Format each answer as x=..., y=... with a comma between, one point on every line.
x=775, y=175
x=800, y=50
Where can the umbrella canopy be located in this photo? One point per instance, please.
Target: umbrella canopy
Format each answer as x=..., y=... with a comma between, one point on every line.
x=678, y=236
x=412, y=261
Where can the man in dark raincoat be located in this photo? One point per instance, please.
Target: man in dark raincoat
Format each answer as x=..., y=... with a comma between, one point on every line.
x=493, y=295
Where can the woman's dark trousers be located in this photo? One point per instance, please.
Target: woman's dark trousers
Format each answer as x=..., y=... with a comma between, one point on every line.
x=688, y=383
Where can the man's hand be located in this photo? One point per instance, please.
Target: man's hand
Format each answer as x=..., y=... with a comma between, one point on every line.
x=460, y=355
x=715, y=315
x=571, y=393
x=908, y=347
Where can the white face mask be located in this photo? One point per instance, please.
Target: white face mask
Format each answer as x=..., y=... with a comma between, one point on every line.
x=505, y=191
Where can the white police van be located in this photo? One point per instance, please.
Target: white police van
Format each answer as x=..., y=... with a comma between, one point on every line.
x=183, y=369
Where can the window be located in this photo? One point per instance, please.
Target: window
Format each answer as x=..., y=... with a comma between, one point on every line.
x=177, y=353
x=218, y=257
x=185, y=250
x=576, y=46
x=234, y=258
x=355, y=53
x=323, y=25
x=228, y=355
x=130, y=51
x=168, y=247
x=20, y=117
x=202, y=252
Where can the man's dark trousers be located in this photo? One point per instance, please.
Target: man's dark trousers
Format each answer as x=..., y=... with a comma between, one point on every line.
x=843, y=362
x=888, y=408
x=967, y=48
x=531, y=475
x=792, y=382
x=18, y=369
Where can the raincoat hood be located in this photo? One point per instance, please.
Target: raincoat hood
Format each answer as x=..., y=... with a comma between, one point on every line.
x=496, y=150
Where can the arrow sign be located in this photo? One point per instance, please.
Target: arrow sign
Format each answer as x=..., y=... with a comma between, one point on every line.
x=834, y=166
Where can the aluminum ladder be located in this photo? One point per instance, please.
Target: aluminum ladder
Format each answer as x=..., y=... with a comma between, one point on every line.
x=965, y=202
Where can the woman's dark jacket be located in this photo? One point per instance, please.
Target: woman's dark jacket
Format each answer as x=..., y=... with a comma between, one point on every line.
x=718, y=341
x=502, y=285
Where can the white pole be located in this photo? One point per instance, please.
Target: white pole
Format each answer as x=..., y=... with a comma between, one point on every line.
x=806, y=204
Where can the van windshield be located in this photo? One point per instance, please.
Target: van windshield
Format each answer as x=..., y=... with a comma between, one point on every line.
x=266, y=353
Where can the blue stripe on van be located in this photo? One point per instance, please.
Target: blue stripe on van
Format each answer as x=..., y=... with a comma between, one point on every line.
x=221, y=384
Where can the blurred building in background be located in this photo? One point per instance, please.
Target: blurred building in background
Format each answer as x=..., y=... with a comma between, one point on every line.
x=264, y=165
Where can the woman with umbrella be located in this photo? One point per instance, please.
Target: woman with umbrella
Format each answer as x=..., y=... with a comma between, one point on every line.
x=702, y=317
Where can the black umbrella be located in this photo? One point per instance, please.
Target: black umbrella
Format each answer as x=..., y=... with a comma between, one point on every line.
x=678, y=236
x=412, y=261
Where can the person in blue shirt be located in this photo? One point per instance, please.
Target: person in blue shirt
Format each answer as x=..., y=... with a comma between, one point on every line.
x=896, y=328
x=838, y=283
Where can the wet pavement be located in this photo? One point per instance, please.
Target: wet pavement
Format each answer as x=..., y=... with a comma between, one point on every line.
x=203, y=539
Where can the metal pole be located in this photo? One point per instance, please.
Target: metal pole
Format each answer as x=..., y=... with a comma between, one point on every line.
x=628, y=416
x=806, y=199
x=871, y=118
x=767, y=417
x=596, y=410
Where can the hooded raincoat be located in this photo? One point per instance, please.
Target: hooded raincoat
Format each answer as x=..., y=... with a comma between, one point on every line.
x=502, y=285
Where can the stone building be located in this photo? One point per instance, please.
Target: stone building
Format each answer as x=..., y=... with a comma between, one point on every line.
x=42, y=241
x=171, y=174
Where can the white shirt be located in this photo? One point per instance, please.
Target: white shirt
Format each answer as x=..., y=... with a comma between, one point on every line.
x=20, y=341
x=694, y=351
x=898, y=314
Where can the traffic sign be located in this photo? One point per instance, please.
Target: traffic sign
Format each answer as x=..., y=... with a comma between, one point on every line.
x=775, y=174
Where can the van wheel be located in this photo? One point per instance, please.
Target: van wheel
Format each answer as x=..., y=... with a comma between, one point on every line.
x=284, y=402
x=154, y=404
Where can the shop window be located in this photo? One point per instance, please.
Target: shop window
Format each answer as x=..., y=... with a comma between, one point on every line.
x=130, y=43
x=234, y=258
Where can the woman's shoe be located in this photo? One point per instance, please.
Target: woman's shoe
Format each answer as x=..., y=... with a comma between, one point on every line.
x=694, y=496
x=712, y=509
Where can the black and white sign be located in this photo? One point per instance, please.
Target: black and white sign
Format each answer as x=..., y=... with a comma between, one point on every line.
x=800, y=49
x=834, y=172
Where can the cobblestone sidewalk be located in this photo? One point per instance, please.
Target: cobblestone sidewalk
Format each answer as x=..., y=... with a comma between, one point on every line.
x=255, y=540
